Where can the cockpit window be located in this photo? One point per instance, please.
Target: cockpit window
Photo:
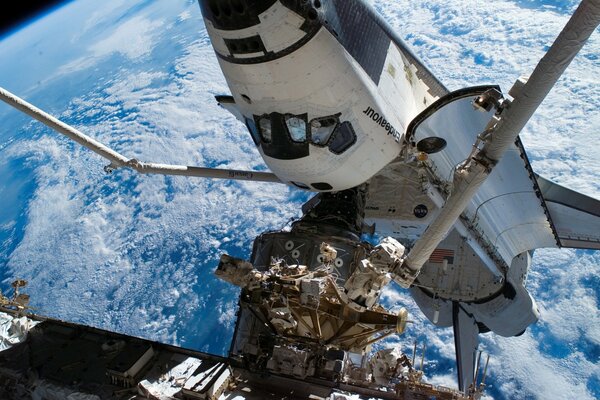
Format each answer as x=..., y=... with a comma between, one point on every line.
x=296, y=127
x=287, y=136
x=264, y=124
x=251, y=125
x=343, y=138
x=283, y=136
x=321, y=129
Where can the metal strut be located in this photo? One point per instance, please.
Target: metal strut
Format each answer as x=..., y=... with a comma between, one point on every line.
x=118, y=160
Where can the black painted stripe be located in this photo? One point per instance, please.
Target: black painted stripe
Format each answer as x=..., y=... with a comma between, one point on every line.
x=271, y=56
x=311, y=27
x=234, y=14
x=436, y=88
x=351, y=22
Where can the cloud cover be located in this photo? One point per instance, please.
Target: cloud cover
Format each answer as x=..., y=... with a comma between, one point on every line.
x=136, y=253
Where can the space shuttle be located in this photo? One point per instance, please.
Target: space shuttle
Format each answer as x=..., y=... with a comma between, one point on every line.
x=333, y=99
x=337, y=104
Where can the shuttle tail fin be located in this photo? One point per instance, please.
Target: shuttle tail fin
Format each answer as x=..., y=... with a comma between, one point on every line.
x=466, y=342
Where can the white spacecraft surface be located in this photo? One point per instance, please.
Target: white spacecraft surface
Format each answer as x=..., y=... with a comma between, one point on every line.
x=337, y=104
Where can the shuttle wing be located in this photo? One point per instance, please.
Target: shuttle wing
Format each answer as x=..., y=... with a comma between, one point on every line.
x=576, y=217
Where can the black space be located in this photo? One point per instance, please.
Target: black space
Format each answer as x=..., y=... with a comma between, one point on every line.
x=15, y=13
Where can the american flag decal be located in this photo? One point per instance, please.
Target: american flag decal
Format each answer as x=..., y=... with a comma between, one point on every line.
x=439, y=255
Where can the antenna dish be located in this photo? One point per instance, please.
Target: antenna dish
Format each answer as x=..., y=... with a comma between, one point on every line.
x=431, y=145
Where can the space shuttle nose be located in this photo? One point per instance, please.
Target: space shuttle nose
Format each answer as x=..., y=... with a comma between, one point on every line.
x=234, y=14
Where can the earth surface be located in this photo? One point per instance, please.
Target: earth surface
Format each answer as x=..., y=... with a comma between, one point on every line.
x=136, y=254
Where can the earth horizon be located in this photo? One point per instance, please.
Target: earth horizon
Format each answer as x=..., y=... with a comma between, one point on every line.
x=136, y=254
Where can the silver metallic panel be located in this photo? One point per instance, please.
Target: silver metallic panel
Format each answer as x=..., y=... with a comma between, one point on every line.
x=456, y=272
x=506, y=211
